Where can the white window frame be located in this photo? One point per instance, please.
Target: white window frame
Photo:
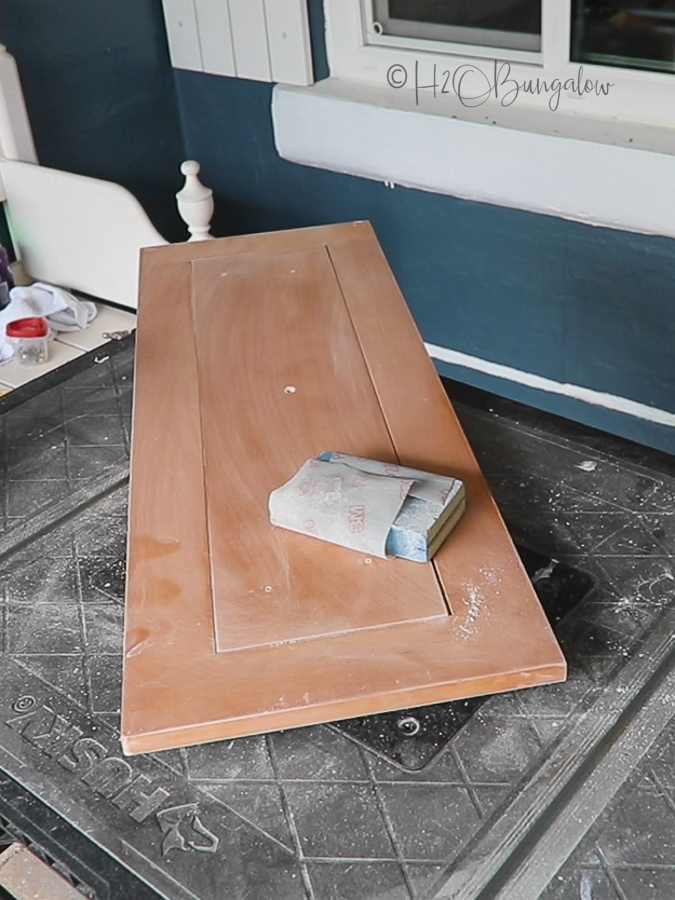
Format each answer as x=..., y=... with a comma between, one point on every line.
x=357, y=53
x=436, y=45
x=607, y=161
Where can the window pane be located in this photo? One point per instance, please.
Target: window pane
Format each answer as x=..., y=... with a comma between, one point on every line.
x=638, y=34
x=513, y=24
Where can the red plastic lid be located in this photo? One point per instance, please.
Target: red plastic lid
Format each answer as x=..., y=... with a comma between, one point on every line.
x=28, y=328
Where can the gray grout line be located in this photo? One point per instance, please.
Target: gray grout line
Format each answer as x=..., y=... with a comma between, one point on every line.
x=3, y=620
x=388, y=824
x=662, y=791
x=467, y=785
x=120, y=413
x=86, y=680
x=639, y=867
x=290, y=821
x=4, y=467
x=74, y=654
x=77, y=501
x=327, y=782
x=249, y=822
x=611, y=877
x=372, y=859
x=568, y=793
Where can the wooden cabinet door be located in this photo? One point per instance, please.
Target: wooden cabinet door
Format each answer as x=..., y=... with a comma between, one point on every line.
x=255, y=354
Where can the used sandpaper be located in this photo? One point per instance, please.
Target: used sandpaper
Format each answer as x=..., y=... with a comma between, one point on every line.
x=370, y=506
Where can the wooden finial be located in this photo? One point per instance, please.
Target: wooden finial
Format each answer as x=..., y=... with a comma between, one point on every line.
x=195, y=203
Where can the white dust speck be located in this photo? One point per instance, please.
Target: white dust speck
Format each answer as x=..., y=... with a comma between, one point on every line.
x=476, y=600
x=586, y=888
x=588, y=465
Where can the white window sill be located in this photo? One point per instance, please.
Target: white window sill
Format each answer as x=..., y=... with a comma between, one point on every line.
x=606, y=173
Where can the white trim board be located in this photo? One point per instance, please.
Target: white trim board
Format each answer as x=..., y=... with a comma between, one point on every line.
x=539, y=383
x=591, y=174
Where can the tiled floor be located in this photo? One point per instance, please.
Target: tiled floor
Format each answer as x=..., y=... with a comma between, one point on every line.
x=69, y=345
x=311, y=814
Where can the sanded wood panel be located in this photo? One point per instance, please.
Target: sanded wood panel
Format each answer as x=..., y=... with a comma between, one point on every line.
x=281, y=379
x=168, y=615
x=177, y=688
x=479, y=563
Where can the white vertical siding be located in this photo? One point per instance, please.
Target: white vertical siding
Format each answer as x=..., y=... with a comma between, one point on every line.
x=265, y=40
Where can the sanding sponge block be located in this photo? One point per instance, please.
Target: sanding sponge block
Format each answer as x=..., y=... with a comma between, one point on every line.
x=381, y=509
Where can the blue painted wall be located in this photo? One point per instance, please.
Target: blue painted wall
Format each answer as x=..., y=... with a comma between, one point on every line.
x=559, y=299
x=99, y=89
x=555, y=298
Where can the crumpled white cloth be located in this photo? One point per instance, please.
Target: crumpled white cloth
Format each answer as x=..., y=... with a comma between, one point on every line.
x=62, y=310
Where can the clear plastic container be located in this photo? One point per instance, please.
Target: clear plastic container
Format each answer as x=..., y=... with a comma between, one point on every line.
x=30, y=340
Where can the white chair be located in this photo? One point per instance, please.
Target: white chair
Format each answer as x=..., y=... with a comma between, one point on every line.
x=81, y=233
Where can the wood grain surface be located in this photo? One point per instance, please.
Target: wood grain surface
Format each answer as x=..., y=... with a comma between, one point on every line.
x=177, y=688
x=282, y=378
